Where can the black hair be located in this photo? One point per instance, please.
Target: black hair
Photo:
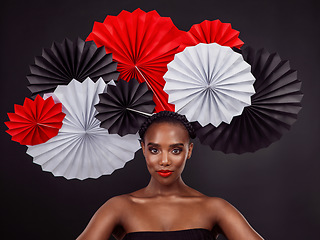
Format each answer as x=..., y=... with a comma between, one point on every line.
x=166, y=116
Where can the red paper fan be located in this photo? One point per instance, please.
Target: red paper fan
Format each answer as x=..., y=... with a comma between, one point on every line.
x=210, y=32
x=36, y=121
x=142, y=44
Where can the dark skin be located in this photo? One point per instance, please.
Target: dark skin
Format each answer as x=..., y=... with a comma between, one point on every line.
x=167, y=203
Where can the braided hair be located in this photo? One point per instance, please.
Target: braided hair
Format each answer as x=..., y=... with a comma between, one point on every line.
x=166, y=116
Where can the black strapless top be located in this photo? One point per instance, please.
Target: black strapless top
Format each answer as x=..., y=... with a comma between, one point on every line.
x=188, y=234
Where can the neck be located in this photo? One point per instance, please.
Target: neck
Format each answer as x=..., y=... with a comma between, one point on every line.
x=154, y=188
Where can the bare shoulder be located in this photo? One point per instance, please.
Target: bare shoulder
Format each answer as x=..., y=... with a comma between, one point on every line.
x=222, y=209
x=116, y=202
x=217, y=203
x=229, y=220
x=105, y=220
x=215, y=200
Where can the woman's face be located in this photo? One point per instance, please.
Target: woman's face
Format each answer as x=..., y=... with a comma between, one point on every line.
x=166, y=148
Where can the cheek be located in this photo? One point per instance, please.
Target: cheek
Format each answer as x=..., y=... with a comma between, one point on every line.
x=151, y=160
x=179, y=161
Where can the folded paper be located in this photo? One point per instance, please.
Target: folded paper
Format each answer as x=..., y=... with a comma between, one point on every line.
x=69, y=60
x=82, y=149
x=209, y=83
x=124, y=106
x=36, y=121
x=210, y=32
x=274, y=108
x=142, y=43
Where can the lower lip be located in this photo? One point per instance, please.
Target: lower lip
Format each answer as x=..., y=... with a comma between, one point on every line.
x=164, y=174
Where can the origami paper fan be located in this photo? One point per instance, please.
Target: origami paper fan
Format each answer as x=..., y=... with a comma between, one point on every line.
x=82, y=149
x=142, y=44
x=124, y=107
x=35, y=122
x=209, y=83
x=70, y=60
x=210, y=32
x=274, y=108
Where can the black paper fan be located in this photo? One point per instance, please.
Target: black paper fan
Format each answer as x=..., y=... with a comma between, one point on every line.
x=123, y=107
x=69, y=60
x=274, y=107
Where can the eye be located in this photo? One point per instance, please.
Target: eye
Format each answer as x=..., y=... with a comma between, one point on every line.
x=176, y=150
x=153, y=150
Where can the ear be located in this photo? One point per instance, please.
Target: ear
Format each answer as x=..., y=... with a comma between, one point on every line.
x=142, y=147
x=190, y=150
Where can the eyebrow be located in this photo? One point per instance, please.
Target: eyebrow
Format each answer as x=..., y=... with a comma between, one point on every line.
x=172, y=145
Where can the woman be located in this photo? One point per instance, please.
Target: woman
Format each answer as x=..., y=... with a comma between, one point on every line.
x=167, y=208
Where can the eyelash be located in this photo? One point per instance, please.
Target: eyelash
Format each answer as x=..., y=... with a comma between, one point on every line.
x=154, y=150
x=177, y=149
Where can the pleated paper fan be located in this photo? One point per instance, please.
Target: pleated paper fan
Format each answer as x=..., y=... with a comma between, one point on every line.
x=35, y=122
x=82, y=149
x=275, y=107
x=210, y=32
x=209, y=83
x=69, y=60
x=142, y=43
x=123, y=107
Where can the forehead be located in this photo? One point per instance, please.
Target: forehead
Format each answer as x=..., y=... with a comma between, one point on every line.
x=166, y=132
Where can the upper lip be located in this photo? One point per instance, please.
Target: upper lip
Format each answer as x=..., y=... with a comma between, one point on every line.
x=164, y=171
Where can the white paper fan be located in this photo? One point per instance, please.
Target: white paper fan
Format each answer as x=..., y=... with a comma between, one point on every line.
x=82, y=149
x=209, y=83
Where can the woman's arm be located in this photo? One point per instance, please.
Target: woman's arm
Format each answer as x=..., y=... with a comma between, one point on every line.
x=232, y=224
x=104, y=221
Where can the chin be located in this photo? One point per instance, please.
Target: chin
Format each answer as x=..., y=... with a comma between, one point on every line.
x=166, y=180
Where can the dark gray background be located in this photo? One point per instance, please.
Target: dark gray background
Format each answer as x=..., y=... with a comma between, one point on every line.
x=276, y=189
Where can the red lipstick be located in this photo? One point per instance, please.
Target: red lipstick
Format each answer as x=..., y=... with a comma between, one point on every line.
x=164, y=173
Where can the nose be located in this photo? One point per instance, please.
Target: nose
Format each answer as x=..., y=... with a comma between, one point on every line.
x=164, y=160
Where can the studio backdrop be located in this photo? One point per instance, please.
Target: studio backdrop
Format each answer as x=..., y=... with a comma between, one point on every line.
x=273, y=182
